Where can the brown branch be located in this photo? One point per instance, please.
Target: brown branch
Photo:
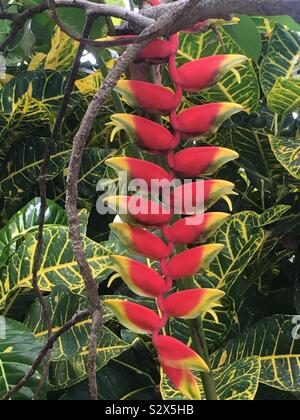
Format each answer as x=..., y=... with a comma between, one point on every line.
x=80, y=139
x=80, y=316
x=43, y=193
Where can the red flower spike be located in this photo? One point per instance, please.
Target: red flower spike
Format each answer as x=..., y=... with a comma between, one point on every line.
x=184, y=381
x=173, y=353
x=142, y=280
x=198, y=196
x=147, y=134
x=204, y=73
x=158, y=50
x=190, y=262
x=140, y=241
x=190, y=304
x=197, y=161
x=139, y=211
x=205, y=24
x=138, y=169
x=151, y=98
x=135, y=317
x=203, y=120
x=196, y=228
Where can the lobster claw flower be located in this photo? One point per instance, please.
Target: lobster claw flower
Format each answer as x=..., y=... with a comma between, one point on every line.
x=203, y=120
x=192, y=198
x=147, y=134
x=140, y=241
x=136, y=318
x=157, y=51
x=190, y=262
x=196, y=161
x=196, y=228
x=205, y=72
x=139, y=211
x=173, y=353
x=147, y=96
x=184, y=381
x=190, y=304
x=138, y=169
x=142, y=280
x=203, y=25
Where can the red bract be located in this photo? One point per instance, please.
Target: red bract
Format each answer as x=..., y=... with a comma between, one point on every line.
x=135, y=317
x=190, y=304
x=140, y=241
x=146, y=133
x=138, y=210
x=197, y=161
x=158, y=50
x=196, y=197
x=196, y=228
x=190, y=262
x=139, y=169
x=203, y=120
x=192, y=78
x=142, y=280
x=173, y=353
x=152, y=98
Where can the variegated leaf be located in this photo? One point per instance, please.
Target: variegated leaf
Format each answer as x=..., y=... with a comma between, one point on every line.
x=287, y=152
x=285, y=96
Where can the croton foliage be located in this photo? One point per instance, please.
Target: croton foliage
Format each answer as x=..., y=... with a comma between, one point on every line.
x=238, y=127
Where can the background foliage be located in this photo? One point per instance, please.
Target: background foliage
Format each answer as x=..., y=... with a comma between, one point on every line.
x=253, y=352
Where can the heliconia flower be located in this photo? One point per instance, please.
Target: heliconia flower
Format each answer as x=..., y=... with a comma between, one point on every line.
x=146, y=133
x=203, y=120
x=205, y=72
x=173, y=353
x=147, y=96
x=158, y=50
x=190, y=262
x=142, y=280
x=155, y=2
x=196, y=228
x=190, y=304
x=198, y=196
x=196, y=161
x=138, y=169
x=140, y=241
x=136, y=318
x=140, y=211
x=184, y=381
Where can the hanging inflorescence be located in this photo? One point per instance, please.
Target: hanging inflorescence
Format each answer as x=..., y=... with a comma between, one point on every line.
x=176, y=359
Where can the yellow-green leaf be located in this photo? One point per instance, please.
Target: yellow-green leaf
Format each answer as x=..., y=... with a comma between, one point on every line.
x=273, y=341
x=285, y=96
x=62, y=52
x=287, y=152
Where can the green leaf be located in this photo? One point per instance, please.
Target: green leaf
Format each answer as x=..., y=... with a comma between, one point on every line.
x=246, y=35
x=287, y=152
x=242, y=237
x=247, y=93
x=273, y=214
x=70, y=371
x=282, y=59
x=27, y=220
x=272, y=340
x=58, y=264
x=236, y=382
x=18, y=350
x=23, y=163
x=284, y=97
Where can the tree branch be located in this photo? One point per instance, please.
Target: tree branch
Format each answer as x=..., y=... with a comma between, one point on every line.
x=80, y=316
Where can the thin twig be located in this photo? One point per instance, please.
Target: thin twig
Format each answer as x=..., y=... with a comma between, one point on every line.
x=80, y=316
